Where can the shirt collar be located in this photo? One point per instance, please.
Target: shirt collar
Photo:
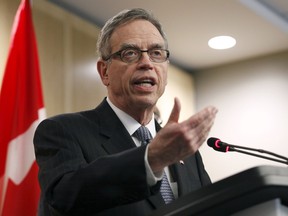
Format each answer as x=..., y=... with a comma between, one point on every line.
x=130, y=123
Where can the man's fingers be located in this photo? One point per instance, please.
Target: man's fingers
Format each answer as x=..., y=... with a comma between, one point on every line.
x=199, y=125
x=175, y=113
x=206, y=115
x=203, y=123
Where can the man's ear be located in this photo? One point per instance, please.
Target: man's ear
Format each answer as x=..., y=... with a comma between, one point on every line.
x=102, y=67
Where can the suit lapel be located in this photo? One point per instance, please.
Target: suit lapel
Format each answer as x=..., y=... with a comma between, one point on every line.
x=115, y=138
x=178, y=176
x=118, y=141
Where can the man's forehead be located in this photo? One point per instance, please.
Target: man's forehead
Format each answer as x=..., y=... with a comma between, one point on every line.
x=137, y=32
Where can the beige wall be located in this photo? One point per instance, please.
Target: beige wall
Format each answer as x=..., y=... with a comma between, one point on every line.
x=66, y=46
x=7, y=13
x=181, y=85
x=252, y=98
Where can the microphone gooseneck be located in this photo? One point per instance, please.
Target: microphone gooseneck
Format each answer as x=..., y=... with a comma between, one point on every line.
x=218, y=145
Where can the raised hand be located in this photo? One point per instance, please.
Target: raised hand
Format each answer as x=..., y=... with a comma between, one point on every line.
x=176, y=141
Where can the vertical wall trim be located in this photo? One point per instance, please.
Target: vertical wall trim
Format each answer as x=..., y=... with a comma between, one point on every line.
x=68, y=75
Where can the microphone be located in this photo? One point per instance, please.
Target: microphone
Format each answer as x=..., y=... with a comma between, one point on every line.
x=218, y=145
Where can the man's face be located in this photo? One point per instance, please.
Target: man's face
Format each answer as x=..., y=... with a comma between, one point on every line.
x=135, y=85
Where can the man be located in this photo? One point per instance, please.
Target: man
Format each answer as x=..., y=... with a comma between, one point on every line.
x=92, y=162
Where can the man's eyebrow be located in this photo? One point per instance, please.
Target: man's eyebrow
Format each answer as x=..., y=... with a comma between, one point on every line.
x=134, y=46
x=157, y=45
x=126, y=46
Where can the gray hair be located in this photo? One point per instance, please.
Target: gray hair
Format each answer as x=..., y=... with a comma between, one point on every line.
x=103, y=44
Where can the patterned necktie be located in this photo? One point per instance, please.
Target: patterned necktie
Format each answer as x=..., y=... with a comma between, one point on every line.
x=144, y=136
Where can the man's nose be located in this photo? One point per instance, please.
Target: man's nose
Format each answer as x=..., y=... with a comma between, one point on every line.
x=145, y=62
x=145, y=57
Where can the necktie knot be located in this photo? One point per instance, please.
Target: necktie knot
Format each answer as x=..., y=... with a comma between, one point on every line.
x=143, y=135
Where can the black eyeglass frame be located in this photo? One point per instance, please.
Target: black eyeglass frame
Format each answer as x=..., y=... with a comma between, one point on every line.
x=120, y=52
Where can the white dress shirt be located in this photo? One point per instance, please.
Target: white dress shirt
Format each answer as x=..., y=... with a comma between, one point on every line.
x=132, y=125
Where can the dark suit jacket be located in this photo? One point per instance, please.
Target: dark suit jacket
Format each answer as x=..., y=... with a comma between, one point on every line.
x=89, y=165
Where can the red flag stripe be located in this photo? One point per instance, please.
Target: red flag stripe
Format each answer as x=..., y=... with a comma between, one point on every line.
x=16, y=205
x=21, y=94
x=20, y=101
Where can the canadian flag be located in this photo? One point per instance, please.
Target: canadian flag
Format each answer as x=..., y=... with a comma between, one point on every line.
x=21, y=109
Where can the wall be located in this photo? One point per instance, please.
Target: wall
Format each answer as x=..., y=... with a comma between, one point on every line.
x=7, y=13
x=181, y=85
x=66, y=47
x=67, y=59
x=252, y=98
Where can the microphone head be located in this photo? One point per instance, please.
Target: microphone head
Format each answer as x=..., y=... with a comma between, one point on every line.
x=217, y=144
x=212, y=141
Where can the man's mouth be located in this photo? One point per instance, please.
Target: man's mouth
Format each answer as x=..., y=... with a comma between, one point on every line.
x=145, y=82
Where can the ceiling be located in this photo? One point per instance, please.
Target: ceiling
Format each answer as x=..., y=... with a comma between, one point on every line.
x=189, y=24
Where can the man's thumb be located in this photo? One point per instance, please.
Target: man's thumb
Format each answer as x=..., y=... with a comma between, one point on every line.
x=175, y=113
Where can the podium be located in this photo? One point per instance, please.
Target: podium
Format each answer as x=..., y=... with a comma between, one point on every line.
x=261, y=190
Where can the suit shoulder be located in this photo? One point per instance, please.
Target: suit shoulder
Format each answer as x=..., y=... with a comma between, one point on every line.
x=72, y=116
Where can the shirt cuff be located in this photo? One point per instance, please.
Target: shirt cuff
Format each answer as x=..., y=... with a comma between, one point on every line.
x=152, y=178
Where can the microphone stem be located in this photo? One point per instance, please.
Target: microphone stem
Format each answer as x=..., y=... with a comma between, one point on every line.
x=259, y=150
x=232, y=148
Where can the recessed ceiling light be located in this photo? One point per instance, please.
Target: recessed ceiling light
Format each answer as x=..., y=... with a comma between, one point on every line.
x=222, y=42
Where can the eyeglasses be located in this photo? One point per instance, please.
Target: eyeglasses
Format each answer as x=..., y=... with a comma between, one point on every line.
x=132, y=55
